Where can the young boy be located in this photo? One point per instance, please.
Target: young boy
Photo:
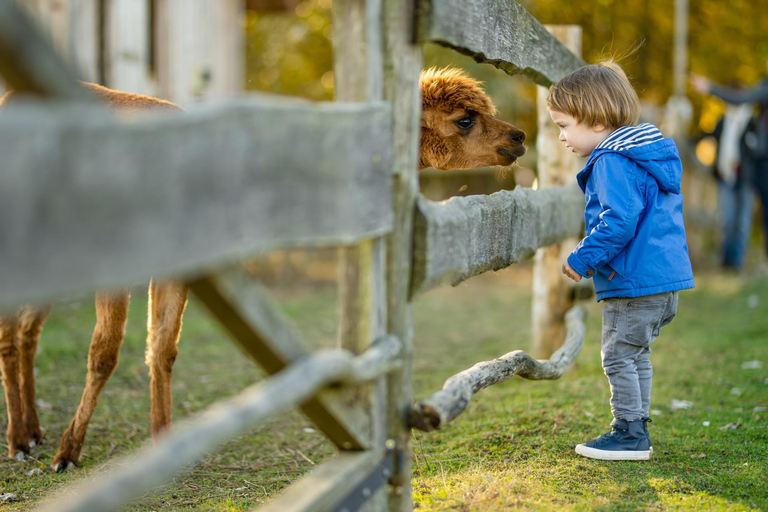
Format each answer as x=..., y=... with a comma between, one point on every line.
x=635, y=247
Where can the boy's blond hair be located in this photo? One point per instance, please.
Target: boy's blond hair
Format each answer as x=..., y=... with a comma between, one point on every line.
x=598, y=94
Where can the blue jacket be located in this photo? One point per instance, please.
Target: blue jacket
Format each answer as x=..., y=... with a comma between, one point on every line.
x=635, y=243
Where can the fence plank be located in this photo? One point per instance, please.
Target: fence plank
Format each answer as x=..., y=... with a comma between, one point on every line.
x=244, y=309
x=262, y=331
x=358, y=70
x=467, y=236
x=127, y=46
x=402, y=63
x=498, y=32
x=200, y=48
x=322, y=489
x=221, y=422
x=85, y=39
x=72, y=26
x=457, y=391
x=28, y=61
x=90, y=203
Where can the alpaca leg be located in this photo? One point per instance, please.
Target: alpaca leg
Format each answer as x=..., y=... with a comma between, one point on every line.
x=166, y=307
x=30, y=325
x=18, y=440
x=111, y=316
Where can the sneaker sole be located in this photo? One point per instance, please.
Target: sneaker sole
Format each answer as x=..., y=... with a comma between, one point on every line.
x=593, y=453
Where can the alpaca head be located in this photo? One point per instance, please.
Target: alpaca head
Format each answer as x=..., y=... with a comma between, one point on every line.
x=458, y=130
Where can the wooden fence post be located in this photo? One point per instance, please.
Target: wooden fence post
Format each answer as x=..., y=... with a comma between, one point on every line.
x=556, y=166
x=199, y=48
x=127, y=46
x=362, y=306
x=402, y=64
x=84, y=38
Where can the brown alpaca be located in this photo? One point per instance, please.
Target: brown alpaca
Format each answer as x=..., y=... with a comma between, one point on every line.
x=458, y=132
x=19, y=336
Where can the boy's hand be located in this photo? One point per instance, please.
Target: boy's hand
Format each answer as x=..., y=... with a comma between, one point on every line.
x=567, y=270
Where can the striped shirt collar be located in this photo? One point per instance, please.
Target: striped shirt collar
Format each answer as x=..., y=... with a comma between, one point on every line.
x=628, y=137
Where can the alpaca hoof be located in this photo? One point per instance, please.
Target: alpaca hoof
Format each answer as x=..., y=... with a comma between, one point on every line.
x=37, y=441
x=18, y=450
x=63, y=465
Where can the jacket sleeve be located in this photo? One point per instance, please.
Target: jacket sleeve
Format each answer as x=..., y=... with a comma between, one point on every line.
x=621, y=195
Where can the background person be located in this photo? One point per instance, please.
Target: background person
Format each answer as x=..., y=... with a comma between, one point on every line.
x=754, y=156
x=734, y=193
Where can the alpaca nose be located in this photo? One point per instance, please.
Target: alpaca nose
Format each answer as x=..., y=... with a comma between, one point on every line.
x=518, y=136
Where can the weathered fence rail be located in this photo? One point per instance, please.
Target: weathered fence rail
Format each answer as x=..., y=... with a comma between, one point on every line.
x=498, y=32
x=90, y=202
x=28, y=62
x=227, y=182
x=466, y=236
x=256, y=324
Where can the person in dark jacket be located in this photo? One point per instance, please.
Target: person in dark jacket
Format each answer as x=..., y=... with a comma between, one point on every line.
x=754, y=158
x=734, y=192
x=635, y=247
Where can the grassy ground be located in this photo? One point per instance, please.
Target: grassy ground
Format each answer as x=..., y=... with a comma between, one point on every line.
x=512, y=449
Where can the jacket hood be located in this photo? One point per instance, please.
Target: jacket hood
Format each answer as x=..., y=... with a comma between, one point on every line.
x=646, y=146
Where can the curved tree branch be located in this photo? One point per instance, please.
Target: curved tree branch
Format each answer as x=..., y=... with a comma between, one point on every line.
x=457, y=391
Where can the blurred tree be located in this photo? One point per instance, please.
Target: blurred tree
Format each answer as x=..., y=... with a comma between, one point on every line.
x=727, y=41
x=271, y=5
x=289, y=51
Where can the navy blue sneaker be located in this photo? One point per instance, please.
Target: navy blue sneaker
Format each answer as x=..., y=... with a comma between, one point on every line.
x=627, y=440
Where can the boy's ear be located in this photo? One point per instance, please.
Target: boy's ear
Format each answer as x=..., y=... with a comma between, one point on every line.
x=598, y=127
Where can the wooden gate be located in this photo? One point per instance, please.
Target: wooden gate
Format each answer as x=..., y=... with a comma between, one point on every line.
x=90, y=202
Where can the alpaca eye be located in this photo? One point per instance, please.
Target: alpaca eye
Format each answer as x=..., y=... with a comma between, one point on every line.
x=465, y=123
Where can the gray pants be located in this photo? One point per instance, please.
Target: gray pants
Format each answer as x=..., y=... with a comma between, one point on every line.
x=629, y=328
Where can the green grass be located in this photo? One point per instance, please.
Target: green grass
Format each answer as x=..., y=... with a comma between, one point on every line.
x=512, y=449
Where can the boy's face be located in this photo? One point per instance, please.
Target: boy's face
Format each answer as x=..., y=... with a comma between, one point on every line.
x=580, y=138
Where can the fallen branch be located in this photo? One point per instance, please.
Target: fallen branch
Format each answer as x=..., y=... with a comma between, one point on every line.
x=453, y=399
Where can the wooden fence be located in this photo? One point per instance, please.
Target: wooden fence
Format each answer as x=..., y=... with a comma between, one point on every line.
x=89, y=202
x=179, y=50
